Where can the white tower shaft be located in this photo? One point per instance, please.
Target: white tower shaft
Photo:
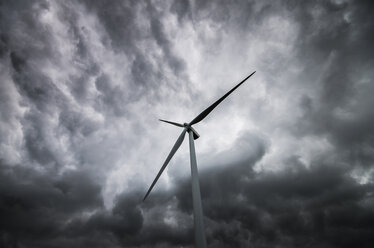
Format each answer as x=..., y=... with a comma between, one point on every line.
x=200, y=240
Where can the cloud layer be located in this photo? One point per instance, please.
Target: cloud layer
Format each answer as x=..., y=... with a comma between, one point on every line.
x=286, y=161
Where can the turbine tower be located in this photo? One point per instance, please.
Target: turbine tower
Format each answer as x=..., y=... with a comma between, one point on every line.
x=200, y=240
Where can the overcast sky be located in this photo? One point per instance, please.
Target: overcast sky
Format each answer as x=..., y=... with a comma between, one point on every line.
x=286, y=161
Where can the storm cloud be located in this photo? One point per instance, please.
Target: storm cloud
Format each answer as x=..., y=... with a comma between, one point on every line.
x=285, y=161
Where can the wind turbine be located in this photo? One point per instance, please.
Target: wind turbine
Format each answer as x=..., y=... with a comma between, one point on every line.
x=200, y=240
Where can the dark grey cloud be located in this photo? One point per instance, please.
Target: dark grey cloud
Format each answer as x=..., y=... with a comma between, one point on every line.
x=123, y=22
x=82, y=84
x=337, y=43
x=35, y=207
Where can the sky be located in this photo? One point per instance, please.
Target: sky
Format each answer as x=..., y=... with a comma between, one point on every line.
x=287, y=160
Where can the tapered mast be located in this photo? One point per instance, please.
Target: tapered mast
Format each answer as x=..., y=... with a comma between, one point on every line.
x=198, y=216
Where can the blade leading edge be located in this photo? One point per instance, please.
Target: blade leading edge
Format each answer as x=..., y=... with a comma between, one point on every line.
x=171, y=154
x=203, y=114
x=172, y=123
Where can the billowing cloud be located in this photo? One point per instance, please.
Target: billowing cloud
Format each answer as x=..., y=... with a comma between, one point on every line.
x=285, y=161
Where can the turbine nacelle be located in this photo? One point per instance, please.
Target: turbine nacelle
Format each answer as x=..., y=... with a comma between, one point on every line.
x=196, y=135
x=187, y=126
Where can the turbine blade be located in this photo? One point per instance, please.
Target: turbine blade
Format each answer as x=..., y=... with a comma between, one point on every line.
x=172, y=123
x=171, y=154
x=203, y=114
